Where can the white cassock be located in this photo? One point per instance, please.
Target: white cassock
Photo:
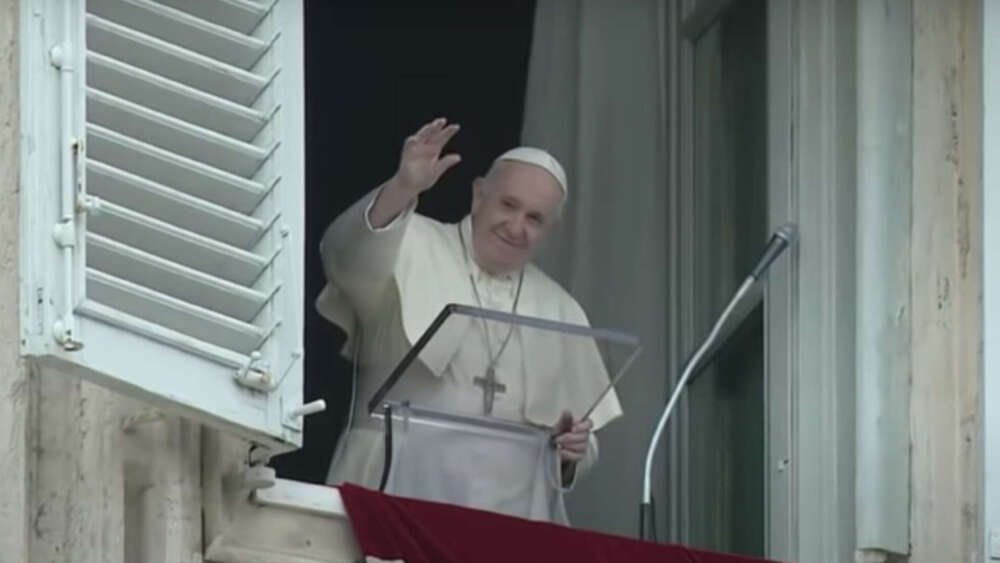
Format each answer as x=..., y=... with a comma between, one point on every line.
x=389, y=284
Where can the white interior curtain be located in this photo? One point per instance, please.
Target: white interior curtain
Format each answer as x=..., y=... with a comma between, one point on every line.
x=596, y=99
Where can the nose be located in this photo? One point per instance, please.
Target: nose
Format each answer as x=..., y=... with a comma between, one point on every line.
x=518, y=226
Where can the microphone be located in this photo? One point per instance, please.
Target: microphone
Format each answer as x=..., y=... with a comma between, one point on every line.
x=785, y=235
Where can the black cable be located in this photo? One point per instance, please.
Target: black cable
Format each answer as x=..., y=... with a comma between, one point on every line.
x=652, y=518
x=647, y=520
x=388, y=449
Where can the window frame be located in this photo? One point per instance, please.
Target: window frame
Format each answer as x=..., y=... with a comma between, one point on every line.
x=991, y=279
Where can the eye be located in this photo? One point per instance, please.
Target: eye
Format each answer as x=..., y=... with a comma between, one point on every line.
x=536, y=219
x=508, y=204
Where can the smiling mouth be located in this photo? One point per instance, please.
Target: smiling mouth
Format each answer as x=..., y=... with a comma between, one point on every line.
x=508, y=242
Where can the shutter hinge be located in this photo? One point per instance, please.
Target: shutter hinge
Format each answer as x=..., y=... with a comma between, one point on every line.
x=63, y=331
x=64, y=328
x=256, y=474
x=64, y=233
x=254, y=373
x=57, y=57
x=257, y=374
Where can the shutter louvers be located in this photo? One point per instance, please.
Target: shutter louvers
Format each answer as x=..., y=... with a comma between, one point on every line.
x=179, y=136
x=162, y=177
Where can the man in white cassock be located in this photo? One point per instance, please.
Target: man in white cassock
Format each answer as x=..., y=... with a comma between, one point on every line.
x=391, y=271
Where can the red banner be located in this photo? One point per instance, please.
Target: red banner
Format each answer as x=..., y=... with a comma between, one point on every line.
x=419, y=531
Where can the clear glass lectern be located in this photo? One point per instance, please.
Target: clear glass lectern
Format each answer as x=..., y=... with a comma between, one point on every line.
x=470, y=410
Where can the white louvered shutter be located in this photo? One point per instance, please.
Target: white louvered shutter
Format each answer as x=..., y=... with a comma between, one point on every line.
x=175, y=272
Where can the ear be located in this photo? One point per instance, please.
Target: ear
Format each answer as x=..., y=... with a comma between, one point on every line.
x=478, y=193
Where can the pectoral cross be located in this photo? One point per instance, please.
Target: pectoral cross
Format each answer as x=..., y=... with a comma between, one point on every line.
x=490, y=387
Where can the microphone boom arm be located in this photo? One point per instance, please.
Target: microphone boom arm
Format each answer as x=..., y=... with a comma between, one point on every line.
x=685, y=375
x=781, y=239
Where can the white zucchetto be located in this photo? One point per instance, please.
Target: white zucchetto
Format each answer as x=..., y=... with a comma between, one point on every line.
x=541, y=158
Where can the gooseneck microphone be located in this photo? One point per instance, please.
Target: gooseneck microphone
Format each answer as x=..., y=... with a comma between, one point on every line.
x=780, y=240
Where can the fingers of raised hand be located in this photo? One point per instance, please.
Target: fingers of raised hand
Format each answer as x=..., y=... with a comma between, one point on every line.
x=430, y=129
x=447, y=162
x=431, y=138
x=441, y=137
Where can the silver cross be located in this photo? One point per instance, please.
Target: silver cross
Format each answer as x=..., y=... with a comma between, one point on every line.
x=490, y=387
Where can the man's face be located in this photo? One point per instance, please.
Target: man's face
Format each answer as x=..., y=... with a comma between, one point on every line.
x=513, y=208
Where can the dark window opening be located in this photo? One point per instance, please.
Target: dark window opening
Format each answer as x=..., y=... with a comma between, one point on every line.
x=374, y=72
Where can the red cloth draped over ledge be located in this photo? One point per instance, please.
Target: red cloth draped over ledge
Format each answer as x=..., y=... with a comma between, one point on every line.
x=418, y=531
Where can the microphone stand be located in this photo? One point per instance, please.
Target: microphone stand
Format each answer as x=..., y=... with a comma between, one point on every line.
x=781, y=238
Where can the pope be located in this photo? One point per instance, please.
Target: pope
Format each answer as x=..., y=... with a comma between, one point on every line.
x=390, y=272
